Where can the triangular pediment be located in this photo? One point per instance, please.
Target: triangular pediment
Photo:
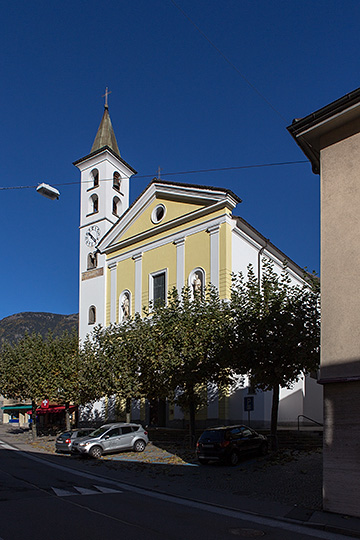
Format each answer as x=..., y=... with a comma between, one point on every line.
x=165, y=206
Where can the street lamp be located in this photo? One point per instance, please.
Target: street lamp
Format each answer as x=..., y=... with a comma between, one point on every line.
x=48, y=191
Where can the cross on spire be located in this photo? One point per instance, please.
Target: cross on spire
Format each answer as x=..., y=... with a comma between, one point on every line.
x=107, y=92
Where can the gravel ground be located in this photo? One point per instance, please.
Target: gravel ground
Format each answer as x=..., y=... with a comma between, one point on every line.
x=288, y=476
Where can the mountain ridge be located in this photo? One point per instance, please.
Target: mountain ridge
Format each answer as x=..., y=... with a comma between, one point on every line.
x=14, y=327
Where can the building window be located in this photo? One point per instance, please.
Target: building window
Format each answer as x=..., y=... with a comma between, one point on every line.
x=94, y=204
x=116, y=181
x=92, y=315
x=115, y=208
x=197, y=282
x=95, y=177
x=158, y=213
x=92, y=261
x=159, y=289
x=124, y=306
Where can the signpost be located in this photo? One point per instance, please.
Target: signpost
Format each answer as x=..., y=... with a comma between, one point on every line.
x=248, y=405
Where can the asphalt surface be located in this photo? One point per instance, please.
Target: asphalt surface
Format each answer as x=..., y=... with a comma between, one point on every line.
x=41, y=497
x=286, y=486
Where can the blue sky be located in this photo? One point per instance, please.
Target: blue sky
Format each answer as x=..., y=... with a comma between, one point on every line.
x=175, y=103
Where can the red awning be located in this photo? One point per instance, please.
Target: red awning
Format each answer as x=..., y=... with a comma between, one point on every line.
x=53, y=409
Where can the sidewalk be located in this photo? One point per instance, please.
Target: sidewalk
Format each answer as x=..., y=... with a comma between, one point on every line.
x=285, y=487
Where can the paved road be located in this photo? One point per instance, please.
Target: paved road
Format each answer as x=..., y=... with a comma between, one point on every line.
x=39, y=500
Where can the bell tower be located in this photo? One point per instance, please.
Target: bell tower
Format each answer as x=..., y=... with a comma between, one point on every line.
x=104, y=197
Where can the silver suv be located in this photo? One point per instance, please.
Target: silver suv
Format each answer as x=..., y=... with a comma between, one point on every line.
x=112, y=438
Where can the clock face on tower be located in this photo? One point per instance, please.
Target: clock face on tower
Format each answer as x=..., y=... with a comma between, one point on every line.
x=92, y=235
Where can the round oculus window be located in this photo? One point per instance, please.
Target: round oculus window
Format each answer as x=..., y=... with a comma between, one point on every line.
x=158, y=213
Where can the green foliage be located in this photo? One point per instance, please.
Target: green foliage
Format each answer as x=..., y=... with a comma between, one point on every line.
x=276, y=329
x=109, y=361
x=277, y=326
x=36, y=368
x=191, y=336
x=269, y=330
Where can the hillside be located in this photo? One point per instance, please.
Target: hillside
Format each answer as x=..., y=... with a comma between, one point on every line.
x=15, y=326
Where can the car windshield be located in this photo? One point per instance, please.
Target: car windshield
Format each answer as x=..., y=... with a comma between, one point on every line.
x=66, y=434
x=98, y=432
x=213, y=436
x=84, y=432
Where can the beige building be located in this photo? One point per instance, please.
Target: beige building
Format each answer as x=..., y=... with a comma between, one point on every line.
x=330, y=138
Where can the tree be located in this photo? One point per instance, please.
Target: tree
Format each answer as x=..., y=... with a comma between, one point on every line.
x=120, y=360
x=63, y=358
x=276, y=330
x=191, y=335
x=25, y=372
x=36, y=368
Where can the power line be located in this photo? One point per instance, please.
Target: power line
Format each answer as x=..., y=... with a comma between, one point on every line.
x=252, y=86
x=221, y=169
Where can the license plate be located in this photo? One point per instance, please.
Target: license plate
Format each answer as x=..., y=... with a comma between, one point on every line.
x=208, y=446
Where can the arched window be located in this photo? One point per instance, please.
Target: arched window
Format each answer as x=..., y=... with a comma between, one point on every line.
x=116, y=181
x=94, y=204
x=91, y=261
x=115, y=209
x=92, y=315
x=197, y=281
x=124, y=306
x=95, y=177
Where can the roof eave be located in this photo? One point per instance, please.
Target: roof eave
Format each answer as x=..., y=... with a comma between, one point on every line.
x=102, y=149
x=308, y=130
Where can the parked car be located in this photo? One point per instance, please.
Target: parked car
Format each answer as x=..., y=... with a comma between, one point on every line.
x=112, y=438
x=65, y=440
x=228, y=443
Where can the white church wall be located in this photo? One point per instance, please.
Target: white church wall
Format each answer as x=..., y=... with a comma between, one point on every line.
x=213, y=402
x=243, y=253
x=291, y=403
x=313, y=402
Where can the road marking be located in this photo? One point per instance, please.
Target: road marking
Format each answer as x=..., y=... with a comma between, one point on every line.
x=7, y=447
x=99, y=490
x=207, y=507
x=86, y=491
x=62, y=492
x=106, y=490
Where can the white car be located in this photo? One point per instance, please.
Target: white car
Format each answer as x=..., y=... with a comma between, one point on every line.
x=112, y=438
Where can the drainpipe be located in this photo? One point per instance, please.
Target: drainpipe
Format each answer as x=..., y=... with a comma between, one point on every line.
x=260, y=252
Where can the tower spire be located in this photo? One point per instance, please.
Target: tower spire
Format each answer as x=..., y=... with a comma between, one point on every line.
x=107, y=92
x=105, y=135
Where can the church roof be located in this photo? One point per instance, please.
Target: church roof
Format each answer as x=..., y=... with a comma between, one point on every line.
x=105, y=135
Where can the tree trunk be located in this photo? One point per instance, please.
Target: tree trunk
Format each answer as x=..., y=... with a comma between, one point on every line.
x=128, y=410
x=192, y=421
x=67, y=416
x=274, y=418
x=33, y=423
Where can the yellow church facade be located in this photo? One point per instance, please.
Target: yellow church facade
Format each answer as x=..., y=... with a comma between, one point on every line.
x=173, y=235
x=170, y=234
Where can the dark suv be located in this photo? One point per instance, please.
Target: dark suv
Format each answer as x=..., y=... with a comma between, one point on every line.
x=228, y=443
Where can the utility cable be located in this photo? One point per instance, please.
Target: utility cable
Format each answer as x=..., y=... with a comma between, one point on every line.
x=221, y=169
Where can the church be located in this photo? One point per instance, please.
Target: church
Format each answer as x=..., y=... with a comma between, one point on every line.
x=172, y=235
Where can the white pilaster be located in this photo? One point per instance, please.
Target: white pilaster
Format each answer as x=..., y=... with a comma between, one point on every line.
x=180, y=263
x=113, y=293
x=138, y=274
x=214, y=255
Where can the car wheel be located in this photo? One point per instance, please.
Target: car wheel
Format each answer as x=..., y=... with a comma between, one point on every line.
x=264, y=449
x=233, y=458
x=95, y=452
x=139, y=446
x=203, y=461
